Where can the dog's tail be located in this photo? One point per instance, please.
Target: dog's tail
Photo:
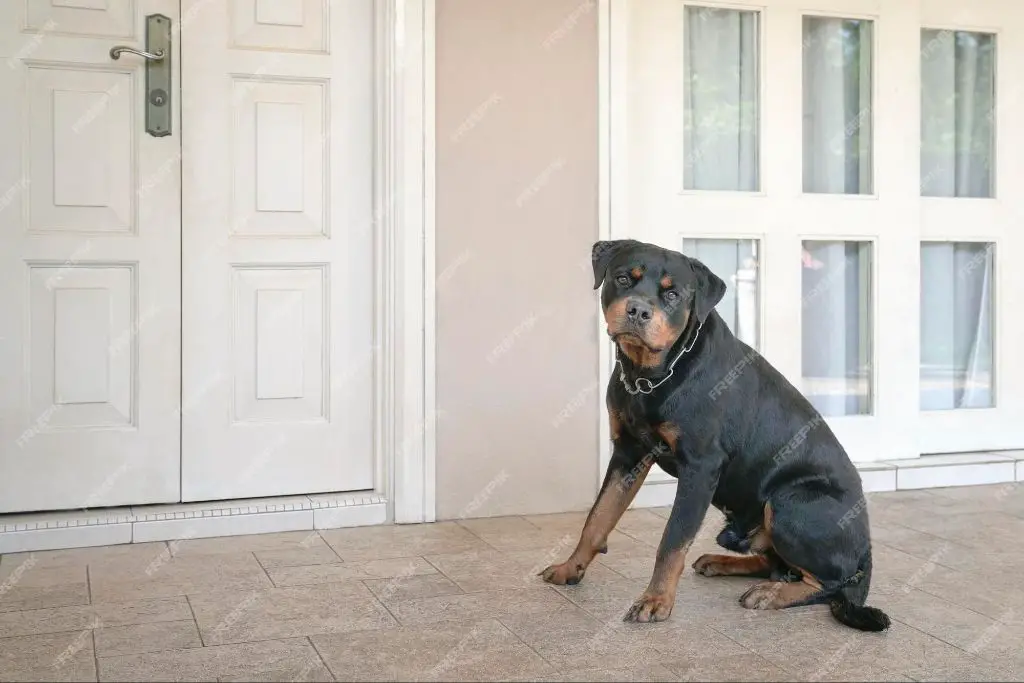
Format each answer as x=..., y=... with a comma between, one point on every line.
x=848, y=607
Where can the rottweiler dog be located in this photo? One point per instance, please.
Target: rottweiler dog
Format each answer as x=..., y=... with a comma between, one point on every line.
x=711, y=412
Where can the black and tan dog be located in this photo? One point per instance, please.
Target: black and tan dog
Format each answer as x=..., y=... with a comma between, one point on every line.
x=688, y=395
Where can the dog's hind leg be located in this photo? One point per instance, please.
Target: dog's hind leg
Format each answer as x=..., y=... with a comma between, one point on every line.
x=780, y=595
x=733, y=565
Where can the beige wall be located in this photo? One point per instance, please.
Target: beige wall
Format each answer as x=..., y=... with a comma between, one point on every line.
x=516, y=216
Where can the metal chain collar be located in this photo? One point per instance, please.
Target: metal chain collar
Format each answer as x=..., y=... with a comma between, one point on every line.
x=651, y=386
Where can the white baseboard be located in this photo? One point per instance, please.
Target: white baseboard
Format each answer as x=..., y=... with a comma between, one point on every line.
x=111, y=526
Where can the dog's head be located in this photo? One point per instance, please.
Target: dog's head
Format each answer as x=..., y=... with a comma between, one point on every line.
x=650, y=295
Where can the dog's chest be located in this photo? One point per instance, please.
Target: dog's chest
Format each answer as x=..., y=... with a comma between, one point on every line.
x=658, y=437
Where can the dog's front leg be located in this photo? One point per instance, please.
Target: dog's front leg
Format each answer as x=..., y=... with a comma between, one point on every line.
x=626, y=473
x=697, y=481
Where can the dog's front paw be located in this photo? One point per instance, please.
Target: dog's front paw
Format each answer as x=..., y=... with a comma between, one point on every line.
x=565, y=574
x=651, y=607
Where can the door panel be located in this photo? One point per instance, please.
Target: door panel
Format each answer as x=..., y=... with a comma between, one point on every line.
x=89, y=263
x=278, y=259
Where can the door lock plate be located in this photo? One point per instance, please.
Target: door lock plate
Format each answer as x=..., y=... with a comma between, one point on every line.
x=158, y=76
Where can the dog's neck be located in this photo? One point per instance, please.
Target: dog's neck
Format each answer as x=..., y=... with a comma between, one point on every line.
x=632, y=372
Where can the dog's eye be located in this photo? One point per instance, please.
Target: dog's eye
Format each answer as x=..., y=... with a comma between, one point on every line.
x=622, y=280
x=671, y=295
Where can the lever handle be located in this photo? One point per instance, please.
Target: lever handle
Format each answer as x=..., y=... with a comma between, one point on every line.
x=115, y=53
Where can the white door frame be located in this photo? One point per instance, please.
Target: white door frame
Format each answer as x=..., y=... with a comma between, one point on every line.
x=405, y=370
x=613, y=32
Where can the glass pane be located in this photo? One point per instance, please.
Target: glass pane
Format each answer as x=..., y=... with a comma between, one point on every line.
x=735, y=261
x=721, y=99
x=956, y=325
x=837, y=105
x=836, y=321
x=958, y=92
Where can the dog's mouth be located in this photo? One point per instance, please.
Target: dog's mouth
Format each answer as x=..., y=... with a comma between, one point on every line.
x=633, y=339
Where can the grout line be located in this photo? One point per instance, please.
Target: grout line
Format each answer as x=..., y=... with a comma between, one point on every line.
x=202, y=641
x=88, y=583
x=51, y=633
x=362, y=582
x=441, y=572
x=321, y=657
x=329, y=546
x=515, y=635
x=95, y=655
x=265, y=572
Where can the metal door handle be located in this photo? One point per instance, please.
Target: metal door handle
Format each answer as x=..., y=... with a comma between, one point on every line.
x=157, y=54
x=115, y=53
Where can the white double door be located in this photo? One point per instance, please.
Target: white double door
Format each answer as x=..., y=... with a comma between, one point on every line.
x=835, y=162
x=185, y=316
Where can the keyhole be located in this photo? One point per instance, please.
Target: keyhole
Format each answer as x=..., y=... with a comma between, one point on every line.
x=158, y=98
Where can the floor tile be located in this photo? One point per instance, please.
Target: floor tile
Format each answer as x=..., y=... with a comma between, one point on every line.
x=604, y=601
x=565, y=521
x=48, y=657
x=645, y=673
x=350, y=571
x=276, y=660
x=929, y=614
x=497, y=525
x=974, y=593
x=401, y=540
x=75, y=557
x=27, y=586
x=58, y=619
x=140, y=638
x=967, y=668
x=643, y=526
x=558, y=541
x=283, y=541
x=481, y=651
x=165, y=576
x=234, y=617
x=495, y=570
x=748, y=667
x=913, y=542
x=477, y=606
x=412, y=587
x=317, y=552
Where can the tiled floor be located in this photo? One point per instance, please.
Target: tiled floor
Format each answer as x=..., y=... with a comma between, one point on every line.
x=460, y=601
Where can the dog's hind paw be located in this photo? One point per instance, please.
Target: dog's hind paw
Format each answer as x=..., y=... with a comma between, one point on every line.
x=707, y=565
x=767, y=595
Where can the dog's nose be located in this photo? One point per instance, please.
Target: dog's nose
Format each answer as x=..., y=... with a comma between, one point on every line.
x=639, y=312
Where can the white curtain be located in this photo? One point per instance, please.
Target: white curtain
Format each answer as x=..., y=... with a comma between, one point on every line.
x=735, y=261
x=721, y=100
x=836, y=328
x=837, y=106
x=957, y=99
x=956, y=326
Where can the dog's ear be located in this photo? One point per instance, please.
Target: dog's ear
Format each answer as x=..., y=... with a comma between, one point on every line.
x=602, y=253
x=710, y=290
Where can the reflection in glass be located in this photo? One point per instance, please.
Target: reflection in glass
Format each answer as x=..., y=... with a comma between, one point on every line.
x=956, y=325
x=837, y=105
x=836, y=320
x=735, y=261
x=958, y=91
x=720, y=99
